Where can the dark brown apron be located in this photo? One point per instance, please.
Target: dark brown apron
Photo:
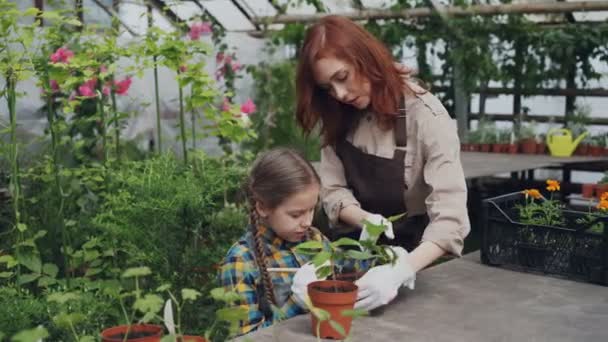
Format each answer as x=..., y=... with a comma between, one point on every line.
x=379, y=185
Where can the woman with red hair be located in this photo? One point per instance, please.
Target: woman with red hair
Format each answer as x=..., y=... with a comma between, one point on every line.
x=389, y=147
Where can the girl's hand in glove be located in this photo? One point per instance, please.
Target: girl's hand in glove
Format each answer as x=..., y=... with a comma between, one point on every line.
x=380, y=284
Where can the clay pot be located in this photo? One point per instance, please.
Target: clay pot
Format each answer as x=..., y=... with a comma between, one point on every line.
x=595, y=151
x=512, y=148
x=581, y=150
x=587, y=190
x=541, y=148
x=323, y=295
x=528, y=146
x=139, y=333
x=600, y=189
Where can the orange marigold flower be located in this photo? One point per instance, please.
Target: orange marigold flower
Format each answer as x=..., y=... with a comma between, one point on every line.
x=603, y=205
x=552, y=185
x=534, y=193
x=604, y=196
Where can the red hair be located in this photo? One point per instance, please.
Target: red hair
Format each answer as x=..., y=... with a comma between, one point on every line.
x=338, y=37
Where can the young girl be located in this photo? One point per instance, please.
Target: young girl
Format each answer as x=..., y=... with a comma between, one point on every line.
x=283, y=189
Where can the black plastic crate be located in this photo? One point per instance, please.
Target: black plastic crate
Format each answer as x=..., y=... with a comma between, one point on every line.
x=574, y=251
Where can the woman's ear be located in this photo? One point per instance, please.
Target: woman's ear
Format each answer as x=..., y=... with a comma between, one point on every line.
x=261, y=209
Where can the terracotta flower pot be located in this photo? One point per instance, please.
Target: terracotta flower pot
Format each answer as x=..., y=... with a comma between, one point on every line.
x=137, y=333
x=497, y=148
x=600, y=189
x=323, y=295
x=541, y=148
x=528, y=146
x=581, y=150
x=595, y=151
x=587, y=190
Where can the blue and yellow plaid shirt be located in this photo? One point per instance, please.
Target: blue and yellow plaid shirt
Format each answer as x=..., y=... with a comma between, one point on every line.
x=240, y=273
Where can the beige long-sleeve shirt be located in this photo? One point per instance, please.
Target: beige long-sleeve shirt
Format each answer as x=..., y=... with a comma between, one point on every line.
x=434, y=180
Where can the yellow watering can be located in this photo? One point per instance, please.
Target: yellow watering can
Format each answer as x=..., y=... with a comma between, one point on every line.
x=559, y=141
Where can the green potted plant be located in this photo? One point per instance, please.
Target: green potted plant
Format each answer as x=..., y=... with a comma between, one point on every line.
x=527, y=138
x=330, y=298
x=147, y=305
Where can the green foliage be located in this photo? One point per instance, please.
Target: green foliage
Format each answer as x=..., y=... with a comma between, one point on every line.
x=159, y=211
x=275, y=121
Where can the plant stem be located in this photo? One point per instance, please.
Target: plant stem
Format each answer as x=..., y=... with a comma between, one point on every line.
x=103, y=125
x=50, y=116
x=193, y=119
x=182, y=124
x=14, y=187
x=156, y=96
x=116, y=123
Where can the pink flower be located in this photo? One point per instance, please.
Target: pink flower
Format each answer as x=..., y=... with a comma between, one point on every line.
x=54, y=86
x=226, y=105
x=248, y=107
x=106, y=89
x=183, y=68
x=236, y=66
x=103, y=69
x=199, y=29
x=121, y=87
x=219, y=57
x=86, y=90
x=228, y=59
x=62, y=55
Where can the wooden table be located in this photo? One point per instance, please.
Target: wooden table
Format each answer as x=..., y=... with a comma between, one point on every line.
x=463, y=300
x=479, y=164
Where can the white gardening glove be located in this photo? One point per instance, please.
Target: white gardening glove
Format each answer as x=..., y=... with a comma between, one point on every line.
x=377, y=220
x=304, y=276
x=380, y=284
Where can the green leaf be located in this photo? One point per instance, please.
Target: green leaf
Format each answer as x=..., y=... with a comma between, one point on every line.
x=169, y=338
x=9, y=261
x=45, y=281
x=32, y=335
x=355, y=313
x=163, y=288
x=396, y=217
x=29, y=258
x=345, y=242
x=218, y=293
x=1, y=336
x=190, y=294
x=66, y=320
x=62, y=297
x=5, y=275
x=324, y=272
x=21, y=227
x=73, y=21
x=233, y=314
x=321, y=258
x=32, y=11
x=50, y=269
x=93, y=271
x=27, y=278
x=137, y=272
x=358, y=255
x=322, y=315
x=310, y=245
x=150, y=303
x=87, y=338
x=338, y=327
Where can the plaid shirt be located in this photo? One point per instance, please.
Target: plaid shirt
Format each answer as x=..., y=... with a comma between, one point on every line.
x=240, y=273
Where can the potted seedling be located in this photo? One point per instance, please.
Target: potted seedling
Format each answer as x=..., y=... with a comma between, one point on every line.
x=527, y=138
x=147, y=305
x=330, y=299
